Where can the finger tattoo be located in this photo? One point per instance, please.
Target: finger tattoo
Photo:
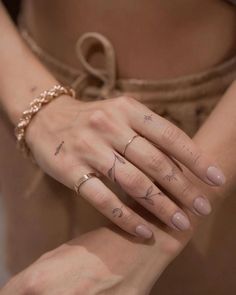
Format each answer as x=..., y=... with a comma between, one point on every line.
x=171, y=176
x=147, y=118
x=117, y=212
x=59, y=148
x=148, y=195
x=111, y=172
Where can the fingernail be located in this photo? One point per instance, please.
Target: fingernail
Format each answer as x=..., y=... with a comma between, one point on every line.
x=143, y=231
x=215, y=175
x=202, y=206
x=180, y=221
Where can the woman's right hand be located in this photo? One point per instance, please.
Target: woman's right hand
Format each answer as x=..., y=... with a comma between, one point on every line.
x=70, y=138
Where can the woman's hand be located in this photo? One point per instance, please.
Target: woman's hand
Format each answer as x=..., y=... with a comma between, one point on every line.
x=68, y=269
x=85, y=266
x=70, y=138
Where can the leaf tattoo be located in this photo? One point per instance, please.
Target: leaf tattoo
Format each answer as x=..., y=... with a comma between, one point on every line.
x=148, y=196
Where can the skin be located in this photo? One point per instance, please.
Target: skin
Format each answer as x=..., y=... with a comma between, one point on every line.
x=145, y=191
x=96, y=270
x=93, y=149
x=155, y=256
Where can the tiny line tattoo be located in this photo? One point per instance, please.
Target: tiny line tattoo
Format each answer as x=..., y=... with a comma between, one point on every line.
x=148, y=196
x=117, y=212
x=59, y=148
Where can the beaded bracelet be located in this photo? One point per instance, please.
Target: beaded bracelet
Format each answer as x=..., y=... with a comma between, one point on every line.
x=37, y=103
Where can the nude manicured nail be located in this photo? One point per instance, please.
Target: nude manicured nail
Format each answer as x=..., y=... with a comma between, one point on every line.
x=215, y=175
x=143, y=231
x=202, y=206
x=180, y=221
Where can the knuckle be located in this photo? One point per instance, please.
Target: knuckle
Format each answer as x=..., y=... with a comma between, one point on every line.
x=170, y=134
x=126, y=101
x=157, y=161
x=134, y=181
x=102, y=121
x=98, y=118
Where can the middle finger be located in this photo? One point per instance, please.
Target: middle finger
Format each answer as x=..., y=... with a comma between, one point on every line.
x=160, y=167
x=139, y=186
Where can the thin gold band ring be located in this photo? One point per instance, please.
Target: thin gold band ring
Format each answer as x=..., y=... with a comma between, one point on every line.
x=84, y=178
x=129, y=142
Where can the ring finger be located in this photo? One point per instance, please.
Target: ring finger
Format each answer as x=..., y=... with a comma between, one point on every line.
x=139, y=186
x=106, y=202
x=160, y=167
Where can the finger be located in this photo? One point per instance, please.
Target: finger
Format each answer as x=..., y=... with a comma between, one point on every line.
x=161, y=168
x=106, y=202
x=140, y=187
x=174, y=141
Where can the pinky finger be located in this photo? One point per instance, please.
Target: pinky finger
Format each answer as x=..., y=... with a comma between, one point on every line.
x=107, y=203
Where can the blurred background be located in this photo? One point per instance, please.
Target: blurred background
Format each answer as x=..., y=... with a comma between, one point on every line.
x=3, y=273
x=13, y=8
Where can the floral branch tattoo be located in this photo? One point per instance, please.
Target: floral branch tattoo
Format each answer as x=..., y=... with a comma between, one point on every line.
x=111, y=172
x=59, y=148
x=117, y=212
x=148, y=196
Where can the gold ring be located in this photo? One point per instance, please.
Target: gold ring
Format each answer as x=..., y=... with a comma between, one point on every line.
x=129, y=142
x=84, y=178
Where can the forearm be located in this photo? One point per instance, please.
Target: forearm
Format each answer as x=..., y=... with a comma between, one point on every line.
x=22, y=75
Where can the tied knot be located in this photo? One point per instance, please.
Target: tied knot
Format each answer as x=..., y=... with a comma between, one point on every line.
x=86, y=46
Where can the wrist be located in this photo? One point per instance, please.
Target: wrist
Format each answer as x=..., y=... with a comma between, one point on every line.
x=48, y=117
x=35, y=106
x=142, y=263
x=147, y=259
